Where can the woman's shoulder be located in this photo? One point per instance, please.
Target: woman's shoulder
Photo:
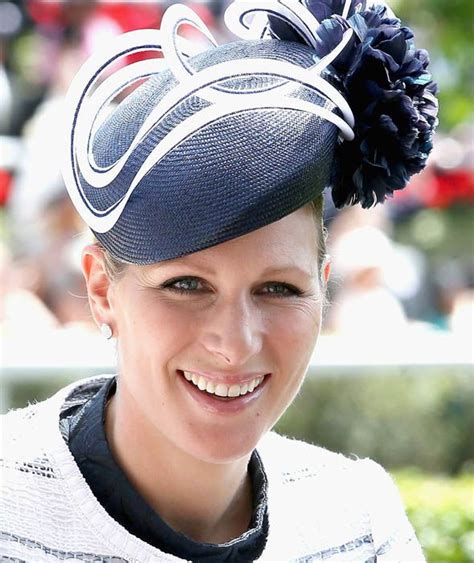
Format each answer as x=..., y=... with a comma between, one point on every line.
x=311, y=467
x=41, y=487
x=29, y=430
x=284, y=451
x=352, y=502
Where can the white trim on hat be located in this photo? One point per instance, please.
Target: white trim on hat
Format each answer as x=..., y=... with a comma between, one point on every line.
x=84, y=109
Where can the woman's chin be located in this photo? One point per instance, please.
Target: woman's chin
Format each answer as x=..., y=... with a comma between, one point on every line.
x=223, y=449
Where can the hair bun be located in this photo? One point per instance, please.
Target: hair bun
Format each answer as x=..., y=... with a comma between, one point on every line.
x=385, y=80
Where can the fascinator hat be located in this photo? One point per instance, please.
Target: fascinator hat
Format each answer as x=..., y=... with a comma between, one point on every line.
x=222, y=140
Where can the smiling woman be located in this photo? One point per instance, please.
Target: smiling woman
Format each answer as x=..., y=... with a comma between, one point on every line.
x=203, y=189
x=227, y=345
x=226, y=322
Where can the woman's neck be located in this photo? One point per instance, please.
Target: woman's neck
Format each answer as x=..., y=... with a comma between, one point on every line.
x=208, y=502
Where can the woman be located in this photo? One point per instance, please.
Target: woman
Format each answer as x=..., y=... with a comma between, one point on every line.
x=203, y=189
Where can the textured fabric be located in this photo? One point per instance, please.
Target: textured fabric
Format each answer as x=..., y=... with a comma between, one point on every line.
x=322, y=505
x=88, y=444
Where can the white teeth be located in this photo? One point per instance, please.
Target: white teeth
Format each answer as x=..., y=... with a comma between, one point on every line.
x=234, y=391
x=221, y=389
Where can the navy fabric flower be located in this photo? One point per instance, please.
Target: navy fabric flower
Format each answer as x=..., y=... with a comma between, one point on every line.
x=321, y=10
x=324, y=9
x=386, y=82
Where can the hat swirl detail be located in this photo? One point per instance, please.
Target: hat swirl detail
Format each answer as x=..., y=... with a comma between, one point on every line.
x=87, y=101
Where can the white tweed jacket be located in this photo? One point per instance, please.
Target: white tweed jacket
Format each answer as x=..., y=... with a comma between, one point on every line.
x=322, y=505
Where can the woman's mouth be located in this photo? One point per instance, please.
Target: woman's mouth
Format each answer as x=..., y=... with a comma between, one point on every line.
x=219, y=396
x=222, y=389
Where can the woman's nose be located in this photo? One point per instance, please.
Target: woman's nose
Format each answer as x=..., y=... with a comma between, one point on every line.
x=233, y=332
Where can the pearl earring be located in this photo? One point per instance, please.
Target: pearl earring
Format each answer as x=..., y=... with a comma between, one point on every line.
x=106, y=331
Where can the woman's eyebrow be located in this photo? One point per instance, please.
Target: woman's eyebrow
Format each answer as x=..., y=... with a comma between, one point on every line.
x=183, y=262
x=281, y=269
x=286, y=269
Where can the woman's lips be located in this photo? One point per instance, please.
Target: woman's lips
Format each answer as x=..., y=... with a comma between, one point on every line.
x=218, y=404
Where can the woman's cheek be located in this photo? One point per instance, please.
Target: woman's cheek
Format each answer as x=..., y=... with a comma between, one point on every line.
x=158, y=313
x=299, y=322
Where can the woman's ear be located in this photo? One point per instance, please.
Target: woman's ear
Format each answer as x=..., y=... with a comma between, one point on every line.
x=98, y=284
x=327, y=268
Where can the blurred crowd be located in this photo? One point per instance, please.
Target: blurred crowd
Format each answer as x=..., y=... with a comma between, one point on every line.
x=383, y=272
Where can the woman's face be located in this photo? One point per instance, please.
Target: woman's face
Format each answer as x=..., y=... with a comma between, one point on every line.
x=245, y=309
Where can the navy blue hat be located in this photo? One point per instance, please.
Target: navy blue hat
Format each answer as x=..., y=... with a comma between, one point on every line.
x=220, y=142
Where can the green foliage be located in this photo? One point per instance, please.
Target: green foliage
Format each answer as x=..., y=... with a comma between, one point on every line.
x=445, y=29
x=396, y=418
x=441, y=234
x=442, y=513
x=26, y=392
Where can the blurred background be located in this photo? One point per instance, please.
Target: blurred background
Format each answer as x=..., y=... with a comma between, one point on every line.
x=391, y=377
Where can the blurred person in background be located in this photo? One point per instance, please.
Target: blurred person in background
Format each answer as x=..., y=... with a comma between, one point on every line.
x=209, y=269
x=43, y=224
x=364, y=303
x=18, y=300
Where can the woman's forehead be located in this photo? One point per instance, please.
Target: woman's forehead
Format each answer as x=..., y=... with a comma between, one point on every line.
x=289, y=244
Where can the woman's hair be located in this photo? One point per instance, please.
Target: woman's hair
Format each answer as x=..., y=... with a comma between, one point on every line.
x=115, y=268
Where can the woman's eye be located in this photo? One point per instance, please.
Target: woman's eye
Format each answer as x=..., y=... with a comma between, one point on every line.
x=194, y=285
x=183, y=285
x=276, y=289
